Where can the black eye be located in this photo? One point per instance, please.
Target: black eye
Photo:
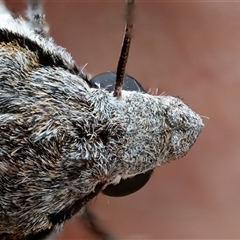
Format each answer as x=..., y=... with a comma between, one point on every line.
x=130, y=185
x=107, y=81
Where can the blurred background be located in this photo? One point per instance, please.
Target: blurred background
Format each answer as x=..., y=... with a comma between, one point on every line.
x=189, y=49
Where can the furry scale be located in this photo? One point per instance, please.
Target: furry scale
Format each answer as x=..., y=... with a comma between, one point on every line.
x=62, y=141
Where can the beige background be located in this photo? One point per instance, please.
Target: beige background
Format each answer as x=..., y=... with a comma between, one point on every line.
x=189, y=49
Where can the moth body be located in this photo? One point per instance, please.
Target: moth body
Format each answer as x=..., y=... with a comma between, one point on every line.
x=62, y=141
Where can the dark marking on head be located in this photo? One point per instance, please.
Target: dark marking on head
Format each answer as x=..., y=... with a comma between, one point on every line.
x=45, y=58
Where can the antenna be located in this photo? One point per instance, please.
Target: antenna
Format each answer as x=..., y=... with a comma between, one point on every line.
x=122, y=62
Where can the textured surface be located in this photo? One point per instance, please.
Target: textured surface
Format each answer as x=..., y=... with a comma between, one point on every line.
x=187, y=49
x=62, y=141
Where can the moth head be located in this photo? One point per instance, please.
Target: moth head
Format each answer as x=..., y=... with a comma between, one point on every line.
x=175, y=122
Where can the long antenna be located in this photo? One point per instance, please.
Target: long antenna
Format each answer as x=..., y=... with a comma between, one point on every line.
x=122, y=62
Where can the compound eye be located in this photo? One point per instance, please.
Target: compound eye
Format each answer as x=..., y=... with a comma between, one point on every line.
x=107, y=81
x=128, y=186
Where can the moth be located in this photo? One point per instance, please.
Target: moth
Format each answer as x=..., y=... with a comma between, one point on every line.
x=64, y=138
